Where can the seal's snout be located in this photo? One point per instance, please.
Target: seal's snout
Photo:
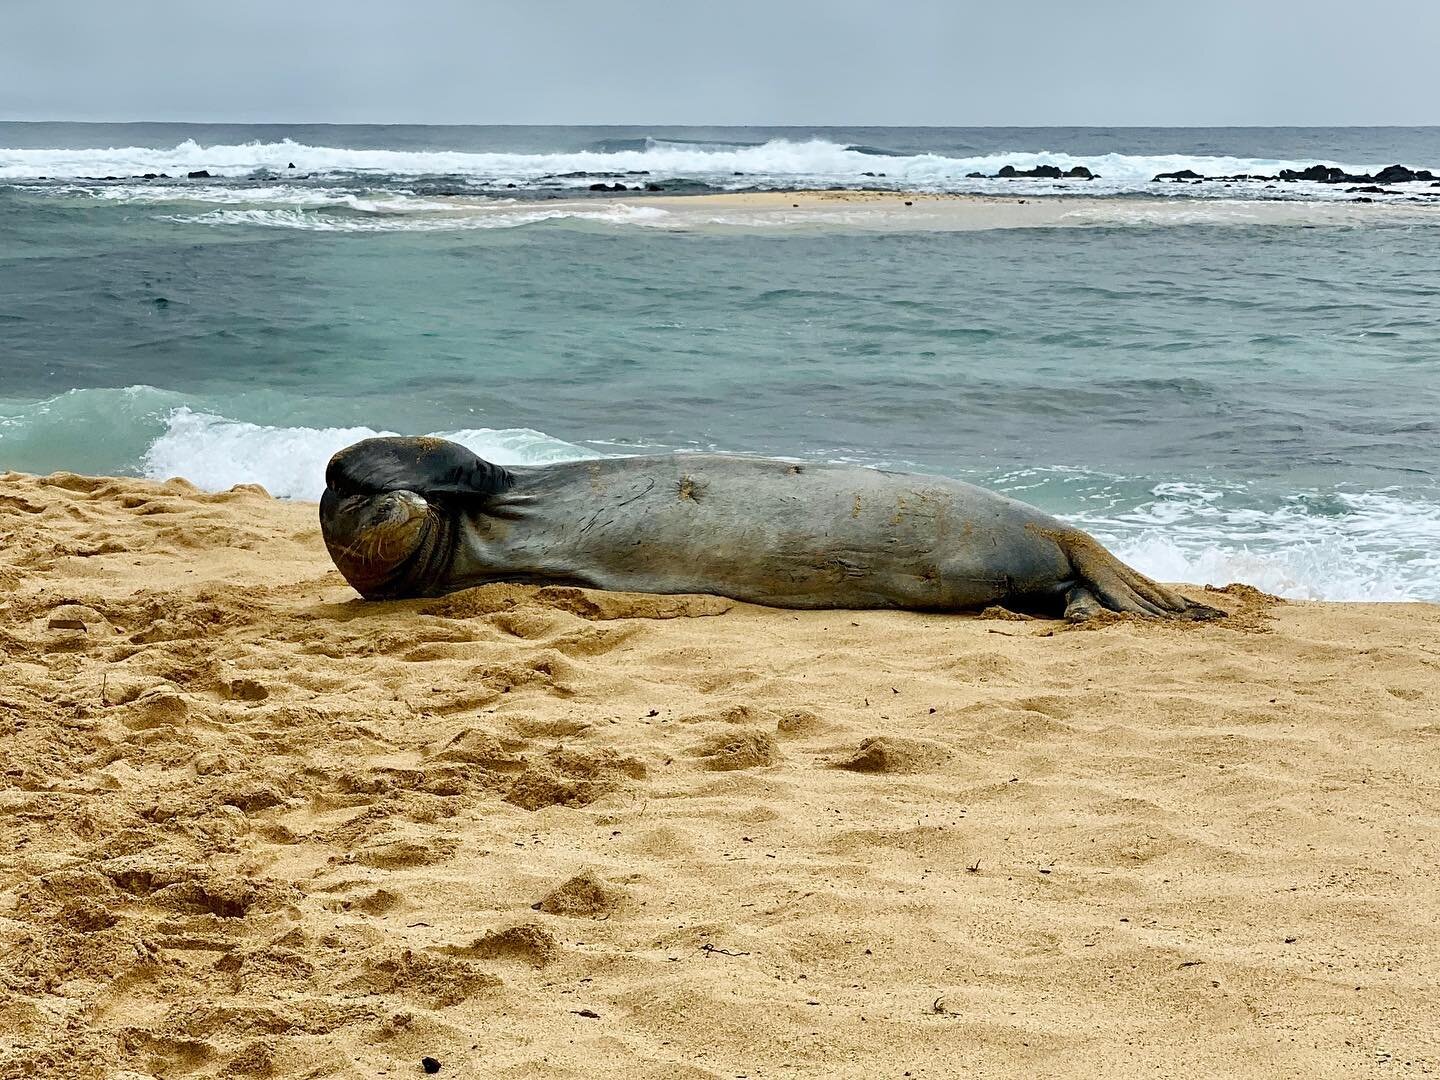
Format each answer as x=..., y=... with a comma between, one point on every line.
x=390, y=511
x=399, y=507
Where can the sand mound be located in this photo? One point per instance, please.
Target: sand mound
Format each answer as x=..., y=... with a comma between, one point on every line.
x=895, y=754
x=583, y=896
x=252, y=826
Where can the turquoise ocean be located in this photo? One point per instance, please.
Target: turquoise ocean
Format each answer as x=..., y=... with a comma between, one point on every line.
x=1225, y=380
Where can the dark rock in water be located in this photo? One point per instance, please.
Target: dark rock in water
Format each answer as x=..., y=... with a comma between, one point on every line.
x=1039, y=172
x=509, y=185
x=976, y=176
x=1316, y=173
x=1399, y=174
x=291, y=165
x=150, y=176
x=1080, y=172
x=198, y=174
x=1371, y=189
x=1330, y=174
x=675, y=184
x=1362, y=198
x=1320, y=174
x=608, y=187
x=1183, y=174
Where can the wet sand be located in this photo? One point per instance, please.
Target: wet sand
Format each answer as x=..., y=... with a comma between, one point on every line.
x=903, y=211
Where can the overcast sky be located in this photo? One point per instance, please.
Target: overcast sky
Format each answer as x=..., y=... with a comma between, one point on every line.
x=844, y=62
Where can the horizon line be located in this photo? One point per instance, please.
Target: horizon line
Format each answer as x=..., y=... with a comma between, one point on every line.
x=608, y=124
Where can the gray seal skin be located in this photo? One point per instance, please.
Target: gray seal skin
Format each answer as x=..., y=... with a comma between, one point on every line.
x=408, y=517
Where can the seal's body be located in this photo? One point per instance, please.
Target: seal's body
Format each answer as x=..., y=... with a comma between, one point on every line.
x=420, y=517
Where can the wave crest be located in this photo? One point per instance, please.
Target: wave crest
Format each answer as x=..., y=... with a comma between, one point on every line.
x=215, y=453
x=814, y=161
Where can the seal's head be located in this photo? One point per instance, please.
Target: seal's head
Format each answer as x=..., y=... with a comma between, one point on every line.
x=390, y=511
x=373, y=539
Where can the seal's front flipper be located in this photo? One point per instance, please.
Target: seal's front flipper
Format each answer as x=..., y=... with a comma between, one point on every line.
x=430, y=467
x=1080, y=604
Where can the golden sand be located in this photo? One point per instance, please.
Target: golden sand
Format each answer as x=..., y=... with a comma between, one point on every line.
x=891, y=211
x=251, y=826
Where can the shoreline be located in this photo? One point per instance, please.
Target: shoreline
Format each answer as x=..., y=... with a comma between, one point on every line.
x=256, y=826
x=956, y=212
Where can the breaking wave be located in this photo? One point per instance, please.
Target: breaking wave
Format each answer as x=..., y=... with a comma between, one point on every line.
x=1372, y=546
x=725, y=165
x=217, y=453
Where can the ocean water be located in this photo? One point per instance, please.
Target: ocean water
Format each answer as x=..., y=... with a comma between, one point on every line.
x=1224, y=383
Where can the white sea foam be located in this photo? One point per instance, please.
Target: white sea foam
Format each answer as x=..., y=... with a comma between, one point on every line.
x=1335, y=546
x=216, y=453
x=452, y=219
x=809, y=163
x=283, y=195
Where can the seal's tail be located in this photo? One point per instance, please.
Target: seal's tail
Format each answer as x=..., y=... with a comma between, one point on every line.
x=1102, y=580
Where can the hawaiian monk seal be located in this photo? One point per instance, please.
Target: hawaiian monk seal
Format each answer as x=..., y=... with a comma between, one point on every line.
x=421, y=517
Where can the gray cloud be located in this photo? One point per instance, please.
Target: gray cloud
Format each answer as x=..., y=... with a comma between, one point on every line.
x=853, y=62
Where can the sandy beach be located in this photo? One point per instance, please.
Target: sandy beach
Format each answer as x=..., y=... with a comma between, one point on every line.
x=253, y=826
x=927, y=212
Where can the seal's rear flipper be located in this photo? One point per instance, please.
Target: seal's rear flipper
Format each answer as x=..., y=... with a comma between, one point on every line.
x=1101, y=577
x=430, y=467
